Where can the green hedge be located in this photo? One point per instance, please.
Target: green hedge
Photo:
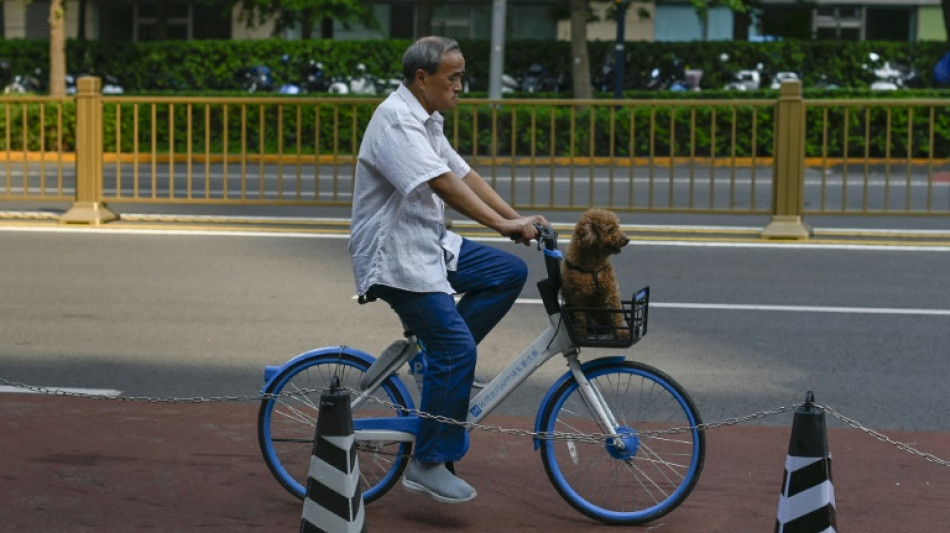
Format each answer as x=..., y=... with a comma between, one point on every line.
x=270, y=129
x=211, y=65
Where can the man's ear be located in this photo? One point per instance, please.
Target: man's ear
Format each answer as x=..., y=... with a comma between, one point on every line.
x=420, y=76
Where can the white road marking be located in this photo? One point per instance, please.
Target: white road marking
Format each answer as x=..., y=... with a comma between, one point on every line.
x=111, y=393
x=786, y=308
x=783, y=245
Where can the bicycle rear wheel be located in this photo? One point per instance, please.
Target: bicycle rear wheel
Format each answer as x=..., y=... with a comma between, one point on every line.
x=652, y=472
x=286, y=424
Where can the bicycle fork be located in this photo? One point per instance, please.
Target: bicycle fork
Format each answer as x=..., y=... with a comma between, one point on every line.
x=595, y=403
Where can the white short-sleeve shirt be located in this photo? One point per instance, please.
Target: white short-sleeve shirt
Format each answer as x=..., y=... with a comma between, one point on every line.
x=398, y=236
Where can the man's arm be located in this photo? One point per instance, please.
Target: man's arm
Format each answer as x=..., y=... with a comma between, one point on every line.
x=482, y=206
x=483, y=190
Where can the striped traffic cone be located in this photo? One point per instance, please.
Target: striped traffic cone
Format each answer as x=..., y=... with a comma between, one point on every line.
x=334, y=501
x=807, y=502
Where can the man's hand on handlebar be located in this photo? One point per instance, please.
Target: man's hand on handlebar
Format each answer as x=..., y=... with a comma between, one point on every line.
x=523, y=230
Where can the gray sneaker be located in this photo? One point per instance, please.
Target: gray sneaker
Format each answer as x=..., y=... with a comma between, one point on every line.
x=480, y=381
x=435, y=481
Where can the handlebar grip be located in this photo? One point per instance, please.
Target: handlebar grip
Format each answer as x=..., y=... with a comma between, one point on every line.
x=544, y=232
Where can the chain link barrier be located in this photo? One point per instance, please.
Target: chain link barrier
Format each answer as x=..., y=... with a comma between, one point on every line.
x=904, y=447
x=591, y=438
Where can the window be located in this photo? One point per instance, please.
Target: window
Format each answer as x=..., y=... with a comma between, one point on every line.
x=843, y=23
x=785, y=22
x=37, y=19
x=150, y=14
x=211, y=21
x=889, y=24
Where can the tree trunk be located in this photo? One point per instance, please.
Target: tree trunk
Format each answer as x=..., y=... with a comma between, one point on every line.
x=946, y=17
x=580, y=61
x=57, y=49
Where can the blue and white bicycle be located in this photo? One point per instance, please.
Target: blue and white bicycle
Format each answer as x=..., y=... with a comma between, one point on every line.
x=620, y=440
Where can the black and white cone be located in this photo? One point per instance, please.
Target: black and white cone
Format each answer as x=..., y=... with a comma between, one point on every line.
x=334, y=501
x=807, y=502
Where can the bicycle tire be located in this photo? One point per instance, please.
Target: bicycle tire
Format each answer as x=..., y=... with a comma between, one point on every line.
x=286, y=425
x=656, y=470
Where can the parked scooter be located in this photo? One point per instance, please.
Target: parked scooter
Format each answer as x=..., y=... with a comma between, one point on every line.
x=745, y=79
x=889, y=77
x=361, y=82
x=538, y=79
x=257, y=78
x=675, y=77
x=21, y=84
x=288, y=77
x=824, y=82
x=110, y=84
x=942, y=71
x=780, y=77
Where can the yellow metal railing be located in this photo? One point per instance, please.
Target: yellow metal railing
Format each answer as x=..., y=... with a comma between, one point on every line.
x=887, y=158
x=34, y=159
x=757, y=156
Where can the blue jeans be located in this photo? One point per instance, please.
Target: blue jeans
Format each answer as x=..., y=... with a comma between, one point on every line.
x=489, y=280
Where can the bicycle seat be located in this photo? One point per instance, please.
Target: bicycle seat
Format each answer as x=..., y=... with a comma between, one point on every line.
x=365, y=299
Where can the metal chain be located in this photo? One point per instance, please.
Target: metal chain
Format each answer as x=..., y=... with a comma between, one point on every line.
x=591, y=438
x=854, y=424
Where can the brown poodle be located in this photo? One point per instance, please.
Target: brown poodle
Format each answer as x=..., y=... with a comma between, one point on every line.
x=588, y=278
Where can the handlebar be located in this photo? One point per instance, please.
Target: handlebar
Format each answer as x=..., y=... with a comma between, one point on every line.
x=546, y=237
x=550, y=287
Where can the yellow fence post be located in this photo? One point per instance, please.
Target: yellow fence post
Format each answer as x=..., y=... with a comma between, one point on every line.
x=788, y=187
x=88, y=207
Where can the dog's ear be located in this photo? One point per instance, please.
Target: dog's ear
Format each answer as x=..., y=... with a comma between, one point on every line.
x=584, y=233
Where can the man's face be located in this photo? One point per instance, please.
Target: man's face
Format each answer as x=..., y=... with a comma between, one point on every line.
x=440, y=91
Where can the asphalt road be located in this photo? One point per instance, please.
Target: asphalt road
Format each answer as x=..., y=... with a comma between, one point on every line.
x=170, y=312
x=856, y=188
x=744, y=327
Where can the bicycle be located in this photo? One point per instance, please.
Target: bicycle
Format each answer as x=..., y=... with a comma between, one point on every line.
x=607, y=422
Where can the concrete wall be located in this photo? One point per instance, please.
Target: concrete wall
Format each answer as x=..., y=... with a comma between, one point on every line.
x=605, y=29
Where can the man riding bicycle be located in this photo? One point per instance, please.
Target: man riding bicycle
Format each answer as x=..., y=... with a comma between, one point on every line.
x=403, y=254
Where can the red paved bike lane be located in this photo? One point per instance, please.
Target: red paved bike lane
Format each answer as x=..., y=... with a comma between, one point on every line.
x=78, y=465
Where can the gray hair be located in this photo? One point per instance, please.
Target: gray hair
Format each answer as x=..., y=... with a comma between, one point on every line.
x=426, y=53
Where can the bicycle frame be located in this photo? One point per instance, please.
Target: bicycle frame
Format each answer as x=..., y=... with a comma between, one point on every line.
x=553, y=341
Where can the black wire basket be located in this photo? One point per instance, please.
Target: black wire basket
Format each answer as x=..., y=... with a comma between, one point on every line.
x=609, y=328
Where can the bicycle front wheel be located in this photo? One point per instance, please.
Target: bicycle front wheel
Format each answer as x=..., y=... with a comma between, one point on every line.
x=644, y=473
x=286, y=424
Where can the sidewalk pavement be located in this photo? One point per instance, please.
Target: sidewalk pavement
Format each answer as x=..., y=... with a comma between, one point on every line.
x=82, y=465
